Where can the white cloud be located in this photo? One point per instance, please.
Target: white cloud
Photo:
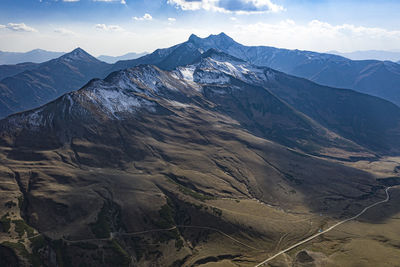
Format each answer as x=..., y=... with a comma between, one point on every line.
x=18, y=27
x=229, y=6
x=110, y=28
x=195, y=5
x=145, y=17
x=171, y=19
x=123, y=2
x=69, y=1
x=318, y=35
x=311, y=35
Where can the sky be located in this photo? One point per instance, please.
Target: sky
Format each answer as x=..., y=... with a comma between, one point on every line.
x=116, y=27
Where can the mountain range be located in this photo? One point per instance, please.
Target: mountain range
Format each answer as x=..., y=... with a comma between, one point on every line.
x=378, y=78
x=34, y=56
x=36, y=84
x=141, y=167
x=128, y=56
x=40, y=56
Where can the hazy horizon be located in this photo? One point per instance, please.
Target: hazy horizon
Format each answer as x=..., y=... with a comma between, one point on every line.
x=115, y=27
x=335, y=51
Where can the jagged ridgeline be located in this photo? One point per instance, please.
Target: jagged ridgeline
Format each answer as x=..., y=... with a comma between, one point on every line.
x=30, y=85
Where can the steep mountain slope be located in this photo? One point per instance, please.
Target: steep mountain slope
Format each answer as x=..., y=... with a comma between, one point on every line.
x=112, y=60
x=48, y=81
x=167, y=58
x=153, y=58
x=11, y=70
x=378, y=78
x=35, y=56
x=134, y=170
x=361, y=118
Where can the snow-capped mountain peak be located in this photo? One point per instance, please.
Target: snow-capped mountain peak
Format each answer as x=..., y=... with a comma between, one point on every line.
x=125, y=92
x=216, y=67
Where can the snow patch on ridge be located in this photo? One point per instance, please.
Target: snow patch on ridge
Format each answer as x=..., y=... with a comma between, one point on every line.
x=32, y=120
x=147, y=77
x=114, y=100
x=35, y=119
x=187, y=73
x=211, y=76
x=236, y=68
x=239, y=70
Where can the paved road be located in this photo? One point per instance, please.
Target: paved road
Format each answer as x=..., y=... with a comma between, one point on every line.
x=328, y=229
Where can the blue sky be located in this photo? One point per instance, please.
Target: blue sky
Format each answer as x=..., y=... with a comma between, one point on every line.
x=116, y=27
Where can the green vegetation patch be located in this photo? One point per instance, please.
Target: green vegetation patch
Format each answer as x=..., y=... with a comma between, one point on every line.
x=217, y=211
x=138, y=247
x=120, y=256
x=190, y=192
x=165, y=236
x=62, y=257
x=34, y=258
x=20, y=201
x=166, y=217
x=102, y=227
x=18, y=247
x=84, y=245
x=166, y=221
x=37, y=243
x=194, y=194
x=21, y=227
x=179, y=244
x=5, y=223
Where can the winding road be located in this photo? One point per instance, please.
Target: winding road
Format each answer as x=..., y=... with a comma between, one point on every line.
x=115, y=234
x=328, y=229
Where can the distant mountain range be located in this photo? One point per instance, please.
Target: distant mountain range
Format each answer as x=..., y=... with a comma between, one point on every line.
x=370, y=54
x=111, y=59
x=40, y=56
x=34, y=56
x=378, y=78
x=40, y=83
